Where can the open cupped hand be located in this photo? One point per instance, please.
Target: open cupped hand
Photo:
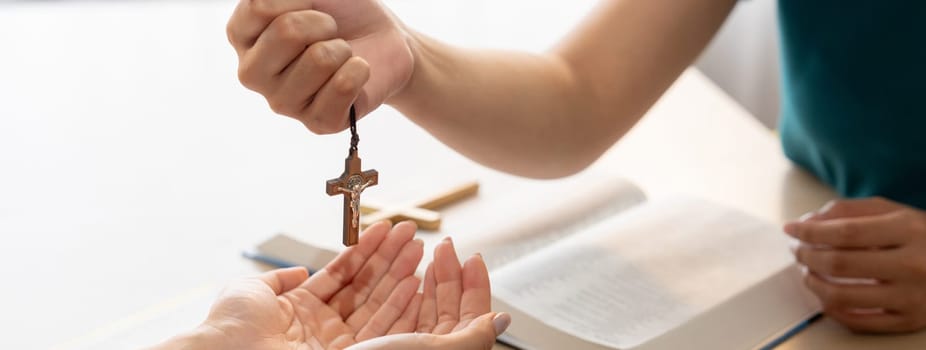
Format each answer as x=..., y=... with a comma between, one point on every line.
x=369, y=291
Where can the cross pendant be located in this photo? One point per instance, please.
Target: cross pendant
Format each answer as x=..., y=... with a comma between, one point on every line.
x=351, y=184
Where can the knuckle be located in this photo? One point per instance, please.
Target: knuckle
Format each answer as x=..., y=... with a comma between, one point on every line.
x=278, y=106
x=248, y=76
x=289, y=27
x=318, y=23
x=323, y=23
x=320, y=126
x=262, y=8
x=231, y=33
x=324, y=56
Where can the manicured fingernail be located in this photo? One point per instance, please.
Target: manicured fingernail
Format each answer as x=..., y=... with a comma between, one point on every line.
x=806, y=216
x=501, y=321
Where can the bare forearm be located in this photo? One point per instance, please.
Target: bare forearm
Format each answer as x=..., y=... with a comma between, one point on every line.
x=551, y=115
x=493, y=106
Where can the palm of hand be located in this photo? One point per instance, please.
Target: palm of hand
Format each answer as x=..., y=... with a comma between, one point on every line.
x=367, y=292
x=259, y=318
x=377, y=36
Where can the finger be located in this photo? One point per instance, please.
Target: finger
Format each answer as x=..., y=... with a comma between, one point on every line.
x=427, y=318
x=282, y=43
x=347, y=300
x=873, y=322
x=476, y=299
x=283, y=280
x=251, y=17
x=408, y=322
x=840, y=297
x=888, y=230
x=847, y=208
x=390, y=311
x=874, y=264
x=402, y=267
x=341, y=271
x=328, y=111
x=449, y=289
x=304, y=77
x=480, y=334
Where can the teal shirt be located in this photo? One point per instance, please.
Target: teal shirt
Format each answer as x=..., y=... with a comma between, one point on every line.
x=854, y=94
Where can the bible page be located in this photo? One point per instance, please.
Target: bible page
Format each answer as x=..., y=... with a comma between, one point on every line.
x=539, y=213
x=642, y=273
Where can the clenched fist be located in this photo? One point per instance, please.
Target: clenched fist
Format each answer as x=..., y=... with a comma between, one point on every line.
x=312, y=59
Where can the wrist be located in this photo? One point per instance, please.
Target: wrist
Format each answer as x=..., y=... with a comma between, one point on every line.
x=203, y=337
x=424, y=53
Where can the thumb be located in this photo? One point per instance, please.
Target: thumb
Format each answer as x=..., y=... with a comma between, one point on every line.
x=479, y=334
x=282, y=280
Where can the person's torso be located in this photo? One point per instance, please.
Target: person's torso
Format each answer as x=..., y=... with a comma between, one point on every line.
x=853, y=110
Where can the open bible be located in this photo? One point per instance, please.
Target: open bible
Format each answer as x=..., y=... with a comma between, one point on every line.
x=592, y=263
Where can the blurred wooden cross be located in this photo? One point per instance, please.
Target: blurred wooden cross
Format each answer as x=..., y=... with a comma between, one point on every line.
x=422, y=212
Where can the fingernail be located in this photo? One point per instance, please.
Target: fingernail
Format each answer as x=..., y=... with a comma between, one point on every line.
x=501, y=321
x=479, y=255
x=410, y=222
x=448, y=240
x=806, y=216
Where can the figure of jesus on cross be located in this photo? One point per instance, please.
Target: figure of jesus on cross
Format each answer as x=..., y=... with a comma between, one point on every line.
x=355, y=186
x=351, y=184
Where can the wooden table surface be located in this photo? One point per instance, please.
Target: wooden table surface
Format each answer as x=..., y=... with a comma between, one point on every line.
x=135, y=168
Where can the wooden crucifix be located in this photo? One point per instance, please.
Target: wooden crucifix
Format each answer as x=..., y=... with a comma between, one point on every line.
x=351, y=184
